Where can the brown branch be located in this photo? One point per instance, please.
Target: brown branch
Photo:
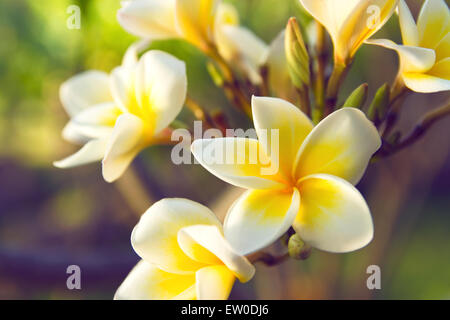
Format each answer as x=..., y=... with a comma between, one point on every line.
x=419, y=131
x=267, y=258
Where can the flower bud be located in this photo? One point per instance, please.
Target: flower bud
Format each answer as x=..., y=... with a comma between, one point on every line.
x=378, y=108
x=358, y=97
x=297, y=248
x=296, y=55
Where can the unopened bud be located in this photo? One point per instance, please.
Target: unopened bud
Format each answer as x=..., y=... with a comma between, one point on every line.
x=215, y=74
x=378, y=108
x=358, y=97
x=296, y=55
x=297, y=248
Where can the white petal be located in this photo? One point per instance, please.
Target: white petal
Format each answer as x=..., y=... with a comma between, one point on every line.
x=195, y=20
x=333, y=215
x=214, y=283
x=239, y=161
x=259, y=217
x=330, y=13
x=147, y=282
x=131, y=57
x=123, y=146
x=122, y=80
x=152, y=19
x=155, y=237
x=84, y=90
x=241, y=46
x=92, y=151
x=412, y=59
x=94, y=122
x=425, y=83
x=212, y=239
x=290, y=126
x=410, y=33
x=342, y=145
x=443, y=48
x=433, y=22
x=71, y=133
x=161, y=87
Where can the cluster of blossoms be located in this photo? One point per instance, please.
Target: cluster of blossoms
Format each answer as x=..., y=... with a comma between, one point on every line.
x=323, y=147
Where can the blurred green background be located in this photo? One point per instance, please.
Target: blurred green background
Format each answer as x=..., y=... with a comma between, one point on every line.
x=50, y=218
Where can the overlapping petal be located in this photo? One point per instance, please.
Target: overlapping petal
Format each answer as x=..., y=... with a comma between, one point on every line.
x=196, y=19
x=259, y=217
x=92, y=151
x=433, y=22
x=124, y=144
x=150, y=19
x=85, y=90
x=333, y=215
x=351, y=23
x=214, y=283
x=238, y=161
x=147, y=282
x=161, y=88
x=281, y=129
x=341, y=145
x=412, y=59
x=240, y=45
x=410, y=33
x=425, y=83
x=155, y=237
x=92, y=123
x=211, y=239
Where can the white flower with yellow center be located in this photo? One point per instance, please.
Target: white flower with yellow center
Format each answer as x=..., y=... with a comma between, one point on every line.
x=425, y=53
x=350, y=22
x=116, y=116
x=204, y=23
x=313, y=190
x=184, y=255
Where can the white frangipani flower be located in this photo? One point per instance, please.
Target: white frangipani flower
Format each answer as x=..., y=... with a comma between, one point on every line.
x=204, y=23
x=184, y=255
x=425, y=53
x=313, y=190
x=116, y=116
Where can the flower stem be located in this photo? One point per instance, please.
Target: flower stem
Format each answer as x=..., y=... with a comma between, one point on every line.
x=267, y=258
x=419, y=131
x=199, y=112
x=231, y=84
x=334, y=84
x=397, y=97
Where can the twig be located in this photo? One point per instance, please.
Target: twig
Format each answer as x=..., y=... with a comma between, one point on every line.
x=418, y=132
x=340, y=71
x=398, y=94
x=231, y=84
x=267, y=259
x=199, y=112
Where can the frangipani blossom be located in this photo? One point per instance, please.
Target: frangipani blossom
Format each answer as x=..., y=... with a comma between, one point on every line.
x=425, y=53
x=350, y=22
x=204, y=23
x=313, y=190
x=116, y=116
x=184, y=255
